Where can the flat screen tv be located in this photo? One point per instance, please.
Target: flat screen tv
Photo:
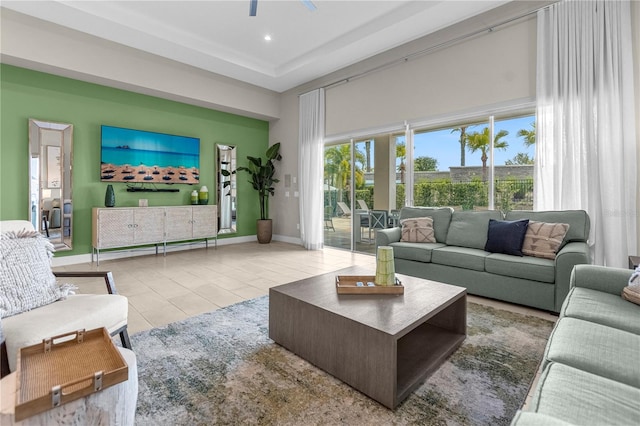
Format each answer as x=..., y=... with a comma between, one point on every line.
x=128, y=155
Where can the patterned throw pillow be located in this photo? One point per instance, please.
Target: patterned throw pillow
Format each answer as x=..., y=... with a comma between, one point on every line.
x=418, y=230
x=26, y=279
x=544, y=239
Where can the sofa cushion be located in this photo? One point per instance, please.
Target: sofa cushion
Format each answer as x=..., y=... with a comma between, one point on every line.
x=602, y=308
x=578, y=221
x=581, y=398
x=26, y=279
x=469, y=229
x=506, y=236
x=528, y=268
x=76, y=312
x=420, y=252
x=529, y=418
x=462, y=257
x=544, y=239
x=598, y=349
x=441, y=218
x=418, y=230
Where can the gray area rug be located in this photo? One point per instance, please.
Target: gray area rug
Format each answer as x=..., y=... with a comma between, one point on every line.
x=222, y=368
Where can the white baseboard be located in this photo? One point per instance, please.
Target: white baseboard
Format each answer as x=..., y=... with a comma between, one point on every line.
x=285, y=239
x=144, y=251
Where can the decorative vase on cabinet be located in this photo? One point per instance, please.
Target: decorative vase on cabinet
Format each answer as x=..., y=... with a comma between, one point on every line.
x=203, y=195
x=109, y=197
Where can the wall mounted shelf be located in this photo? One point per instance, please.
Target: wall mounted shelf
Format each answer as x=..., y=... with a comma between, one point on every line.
x=132, y=189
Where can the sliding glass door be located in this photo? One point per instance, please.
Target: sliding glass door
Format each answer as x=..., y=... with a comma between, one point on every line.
x=359, y=191
x=337, y=205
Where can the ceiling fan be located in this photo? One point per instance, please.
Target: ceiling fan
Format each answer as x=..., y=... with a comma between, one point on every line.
x=253, y=6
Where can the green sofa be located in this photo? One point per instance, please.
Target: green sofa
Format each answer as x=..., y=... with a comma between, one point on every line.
x=458, y=256
x=591, y=367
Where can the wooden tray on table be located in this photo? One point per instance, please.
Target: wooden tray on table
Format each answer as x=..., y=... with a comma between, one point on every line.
x=64, y=368
x=348, y=284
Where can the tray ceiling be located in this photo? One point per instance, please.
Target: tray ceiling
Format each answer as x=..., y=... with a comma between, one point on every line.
x=221, y=37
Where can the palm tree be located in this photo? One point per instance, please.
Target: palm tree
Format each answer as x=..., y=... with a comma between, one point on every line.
x=521, y=158
x=479, y=141
x=337, y=167
x=401, y=153
x=528, y=135
x=367, y=150
x=463, y=143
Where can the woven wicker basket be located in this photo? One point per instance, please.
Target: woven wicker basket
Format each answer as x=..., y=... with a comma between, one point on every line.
x=632, y=294
x=65, y=368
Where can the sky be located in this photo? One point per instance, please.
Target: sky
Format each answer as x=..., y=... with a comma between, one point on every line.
x=113, y=137
x=444, y=146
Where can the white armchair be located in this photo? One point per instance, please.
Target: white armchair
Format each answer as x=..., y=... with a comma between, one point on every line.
x=80, y=311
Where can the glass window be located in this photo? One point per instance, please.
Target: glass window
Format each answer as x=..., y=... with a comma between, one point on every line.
x=453, y=167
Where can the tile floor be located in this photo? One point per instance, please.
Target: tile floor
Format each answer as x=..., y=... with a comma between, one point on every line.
x=164, y=289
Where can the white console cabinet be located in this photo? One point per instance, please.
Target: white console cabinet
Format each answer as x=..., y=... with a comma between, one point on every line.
x=119, y=227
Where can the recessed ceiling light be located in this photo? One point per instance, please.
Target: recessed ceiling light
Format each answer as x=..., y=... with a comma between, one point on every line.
x=267, y=37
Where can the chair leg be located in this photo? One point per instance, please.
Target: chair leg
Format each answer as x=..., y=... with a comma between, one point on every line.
x=124, y=337
x=4, y=360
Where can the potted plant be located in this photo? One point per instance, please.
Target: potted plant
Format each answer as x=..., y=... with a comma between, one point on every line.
x=262, y=172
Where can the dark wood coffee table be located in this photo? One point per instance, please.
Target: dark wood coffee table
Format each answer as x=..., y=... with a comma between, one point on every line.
x=383, y=345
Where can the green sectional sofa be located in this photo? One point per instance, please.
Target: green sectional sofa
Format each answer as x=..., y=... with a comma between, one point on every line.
x=591, y=370
x=458, y=256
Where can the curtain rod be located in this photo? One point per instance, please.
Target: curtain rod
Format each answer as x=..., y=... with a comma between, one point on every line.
x=422, y=52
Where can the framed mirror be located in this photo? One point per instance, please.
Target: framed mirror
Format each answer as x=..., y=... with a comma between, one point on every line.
x=50, y=164
x=226, y=189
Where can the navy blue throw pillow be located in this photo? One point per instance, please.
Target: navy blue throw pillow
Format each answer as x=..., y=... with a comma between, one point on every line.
x=506, y=237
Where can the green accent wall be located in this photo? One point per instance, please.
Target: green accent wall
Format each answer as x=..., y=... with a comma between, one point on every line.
x=28, y=94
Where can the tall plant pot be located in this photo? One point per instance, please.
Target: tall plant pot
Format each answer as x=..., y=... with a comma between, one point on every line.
x=265, y=227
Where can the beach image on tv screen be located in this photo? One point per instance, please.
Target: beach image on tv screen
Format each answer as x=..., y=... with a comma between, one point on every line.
x=129, y=155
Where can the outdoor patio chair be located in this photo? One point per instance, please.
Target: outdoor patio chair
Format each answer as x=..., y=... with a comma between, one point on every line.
x=394, y=218
x=346, y=211
x=363, y=205
x=328, y=219
x=376, y=219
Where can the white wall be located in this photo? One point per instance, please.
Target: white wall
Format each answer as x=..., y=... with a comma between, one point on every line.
x=32, y=43
x=491, y=68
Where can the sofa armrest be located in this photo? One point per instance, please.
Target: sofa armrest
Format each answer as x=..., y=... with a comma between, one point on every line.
x=107, y=275
x=570, y=255
x=384, y=237
x=601, y=278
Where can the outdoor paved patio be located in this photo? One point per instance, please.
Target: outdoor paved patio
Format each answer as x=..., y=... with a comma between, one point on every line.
x=341, y=236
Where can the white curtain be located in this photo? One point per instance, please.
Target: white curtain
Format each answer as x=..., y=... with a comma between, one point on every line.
x=586, y=142
x=311, y=168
